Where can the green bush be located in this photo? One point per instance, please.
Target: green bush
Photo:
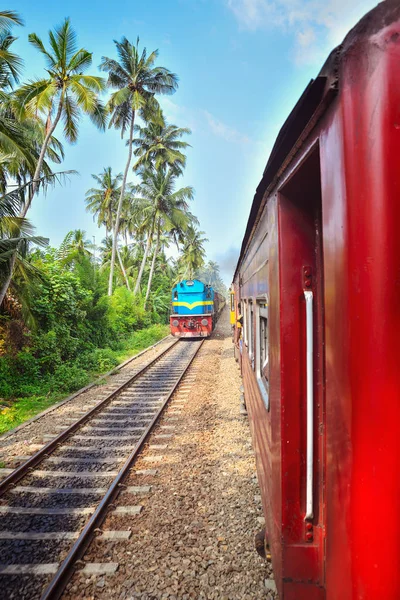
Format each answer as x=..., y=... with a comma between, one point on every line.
x=6, y=377
x=27, y=366
x=68, y=378
x=126, y=311
x=76, y=331
x=99, y=360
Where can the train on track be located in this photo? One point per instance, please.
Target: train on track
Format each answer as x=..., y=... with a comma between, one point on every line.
x=196, y=307
x=317, y=326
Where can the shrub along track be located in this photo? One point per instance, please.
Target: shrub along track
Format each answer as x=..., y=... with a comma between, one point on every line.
x=71, y=482
x=28, y=437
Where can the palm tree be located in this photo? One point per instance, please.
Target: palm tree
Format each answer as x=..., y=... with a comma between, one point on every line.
x=193, y=253
x=16, y=230
x=64, y=93
x=74, y=246
x=13, y=141
x=136, y=80
x=17, y=167
x=102, y=201
x=13, y=163
x=125, y=260
x=165, y=210
x=210, y=274
x=159, y=145
x=10, y=63
x=16, y=234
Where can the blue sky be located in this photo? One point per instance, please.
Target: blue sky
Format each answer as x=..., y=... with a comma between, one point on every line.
x=242, y=65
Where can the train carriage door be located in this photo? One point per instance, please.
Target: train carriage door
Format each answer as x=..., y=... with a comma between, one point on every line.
x=302, y=371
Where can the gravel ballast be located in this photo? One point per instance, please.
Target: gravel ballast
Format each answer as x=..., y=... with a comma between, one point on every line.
x=195, y=535
x=23, y=440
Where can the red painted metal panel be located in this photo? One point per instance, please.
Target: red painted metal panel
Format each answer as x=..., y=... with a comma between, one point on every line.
x=301, y=591
x=357, y=334
x=299, y=239
x=371, y=134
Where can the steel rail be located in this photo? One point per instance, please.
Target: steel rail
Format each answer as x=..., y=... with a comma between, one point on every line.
x=51, y=446
x=57, y=585
x=81, y=391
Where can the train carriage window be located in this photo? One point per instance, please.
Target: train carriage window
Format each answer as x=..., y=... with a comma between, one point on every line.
x=262, y=364
x=245, y=326
x=251, y=334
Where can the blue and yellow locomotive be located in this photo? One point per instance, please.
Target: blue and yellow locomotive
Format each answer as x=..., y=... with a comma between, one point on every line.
x=195, y=309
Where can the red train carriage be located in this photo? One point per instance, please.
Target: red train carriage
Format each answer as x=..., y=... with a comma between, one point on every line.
x=318, y=286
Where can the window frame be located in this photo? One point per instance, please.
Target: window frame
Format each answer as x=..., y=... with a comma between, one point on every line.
x=251, y=347
x=232, y=301
x=262, y=312
x=245, y=328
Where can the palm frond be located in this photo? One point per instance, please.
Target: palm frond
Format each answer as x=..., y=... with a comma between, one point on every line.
x=71, y=119
x=66, y=40
x=10, y=63
x=8, y=18
x=80, y=61
x=38, y=44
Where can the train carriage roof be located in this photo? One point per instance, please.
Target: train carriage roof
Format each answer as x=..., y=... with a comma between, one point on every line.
x=318, y=94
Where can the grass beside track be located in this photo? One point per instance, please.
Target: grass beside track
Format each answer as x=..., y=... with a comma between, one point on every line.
x=21, y=409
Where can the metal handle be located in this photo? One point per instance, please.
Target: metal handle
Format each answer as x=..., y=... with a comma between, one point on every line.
x=310, y=403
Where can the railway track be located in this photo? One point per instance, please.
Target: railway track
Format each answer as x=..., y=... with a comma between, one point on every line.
x=53, y=504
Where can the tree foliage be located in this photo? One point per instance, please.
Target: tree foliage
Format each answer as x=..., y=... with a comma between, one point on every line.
x=69, y=311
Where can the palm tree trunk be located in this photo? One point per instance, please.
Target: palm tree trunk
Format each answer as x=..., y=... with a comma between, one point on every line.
x=121, y=264
x=145, y=255
x=7, y=282
x=121, y=198
x=153, y=263
x=26, y=206
x=39, y=165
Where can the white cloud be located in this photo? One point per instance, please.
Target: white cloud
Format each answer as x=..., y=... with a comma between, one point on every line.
x=195, y=118
x=177, y=113
x=224, y=131
x=316, y=25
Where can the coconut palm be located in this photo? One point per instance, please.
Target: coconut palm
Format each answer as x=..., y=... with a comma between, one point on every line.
x=136, y=81
x=13, y=141
x=16, y=230
x=64, y=94
x=125, y=259
x=102, y=201
x=158, y=144
x=74, y=246
x=193, y=253
x=15, y=166
x=210, y=274
x=165, y=210
x=16, y=234
x=13, y=163
x=10, y=63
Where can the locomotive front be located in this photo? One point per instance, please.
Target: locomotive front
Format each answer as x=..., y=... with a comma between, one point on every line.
x=192, y=312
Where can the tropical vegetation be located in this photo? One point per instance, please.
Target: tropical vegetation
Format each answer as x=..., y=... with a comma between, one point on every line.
x=70, y=312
